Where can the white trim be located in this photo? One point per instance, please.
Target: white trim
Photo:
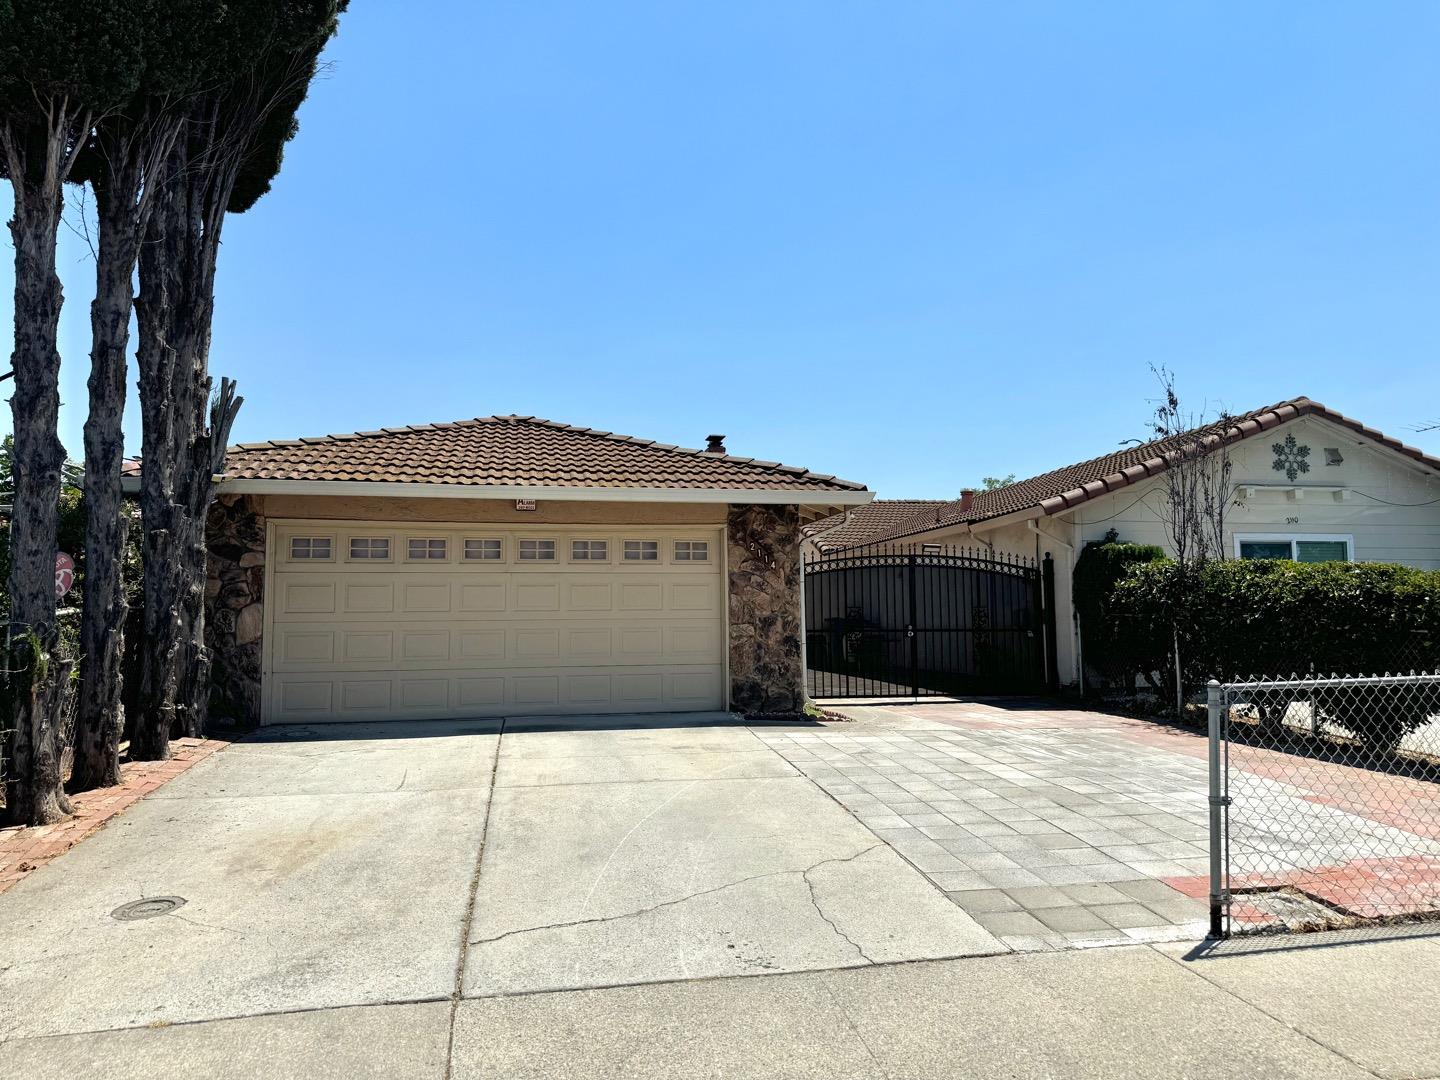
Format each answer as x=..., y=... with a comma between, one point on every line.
x=766, y=496
x=1275, y=538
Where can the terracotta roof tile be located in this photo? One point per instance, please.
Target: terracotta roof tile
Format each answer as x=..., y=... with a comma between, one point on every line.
x=519, y=451
x=1061, y=489
x=865, y=521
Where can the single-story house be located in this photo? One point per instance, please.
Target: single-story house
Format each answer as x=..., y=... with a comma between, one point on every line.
x=1310, y=484
x=505, y=564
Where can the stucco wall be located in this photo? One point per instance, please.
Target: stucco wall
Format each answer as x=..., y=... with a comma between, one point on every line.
x=1392, y=507
x=766, y=674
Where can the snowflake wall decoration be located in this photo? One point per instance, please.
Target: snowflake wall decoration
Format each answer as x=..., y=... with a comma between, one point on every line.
x=1291, y=458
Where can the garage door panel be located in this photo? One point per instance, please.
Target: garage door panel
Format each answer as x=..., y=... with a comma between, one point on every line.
x=642, y=596
x=478, y=646
x=307, y=598
x=424, y=597
x=535, y=594
x=590, y=643
x=369, y=597
x=483, y=596
x=425, y=644
x=367, y=646
x=306, y=645
x=356, y=640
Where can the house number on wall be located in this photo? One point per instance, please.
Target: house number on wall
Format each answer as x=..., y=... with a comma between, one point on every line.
x=1292, y=521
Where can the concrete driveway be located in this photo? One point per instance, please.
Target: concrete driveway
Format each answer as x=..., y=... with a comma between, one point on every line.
x=349, y=866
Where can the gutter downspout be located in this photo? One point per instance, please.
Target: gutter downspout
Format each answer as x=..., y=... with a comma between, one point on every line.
x=1075, y=640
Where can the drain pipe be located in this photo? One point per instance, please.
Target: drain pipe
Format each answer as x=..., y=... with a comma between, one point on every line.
x=1041, y=534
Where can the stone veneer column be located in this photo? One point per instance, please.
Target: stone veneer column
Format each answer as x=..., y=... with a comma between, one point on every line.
x=765, y=617
x=235, y=607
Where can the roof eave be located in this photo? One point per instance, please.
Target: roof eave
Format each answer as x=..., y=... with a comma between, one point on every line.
x=813, y=497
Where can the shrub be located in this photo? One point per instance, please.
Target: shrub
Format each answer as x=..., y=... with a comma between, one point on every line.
x=1273, y=618
x=1121, y=652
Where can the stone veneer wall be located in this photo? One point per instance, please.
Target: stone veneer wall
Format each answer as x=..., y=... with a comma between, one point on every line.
x=765, y=616
x=235, y=608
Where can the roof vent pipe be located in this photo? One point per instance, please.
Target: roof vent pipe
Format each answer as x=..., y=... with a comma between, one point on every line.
x=967, y=498
x=715, y=444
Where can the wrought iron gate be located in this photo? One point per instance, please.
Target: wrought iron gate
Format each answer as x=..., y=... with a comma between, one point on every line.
x=927, y=621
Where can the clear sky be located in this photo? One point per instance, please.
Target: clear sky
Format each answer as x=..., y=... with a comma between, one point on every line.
x=910, y=243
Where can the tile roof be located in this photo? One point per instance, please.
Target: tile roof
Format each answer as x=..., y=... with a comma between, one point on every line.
x=1061, y=489
x=511, y=451
x=866, y=521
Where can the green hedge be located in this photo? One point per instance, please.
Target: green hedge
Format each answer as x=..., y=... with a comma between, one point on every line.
x=1101, y=566
x=1273, y=618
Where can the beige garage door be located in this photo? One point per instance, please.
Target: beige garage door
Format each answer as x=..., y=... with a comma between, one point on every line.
x=386, y=621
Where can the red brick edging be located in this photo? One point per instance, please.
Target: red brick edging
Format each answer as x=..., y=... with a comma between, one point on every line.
x=24, y=850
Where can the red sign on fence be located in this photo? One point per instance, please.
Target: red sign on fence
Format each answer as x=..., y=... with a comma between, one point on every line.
x=64, y=574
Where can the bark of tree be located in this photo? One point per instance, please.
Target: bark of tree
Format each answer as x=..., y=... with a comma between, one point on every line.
x=38, y=156
x=129, y=159
x=184, y=435
x=100, y=716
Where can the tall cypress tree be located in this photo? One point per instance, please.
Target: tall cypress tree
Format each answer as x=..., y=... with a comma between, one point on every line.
x=183, y=48
x=230, y=150
x=62, y=63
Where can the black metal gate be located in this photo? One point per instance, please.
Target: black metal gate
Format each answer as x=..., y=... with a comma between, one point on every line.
x=927, y=621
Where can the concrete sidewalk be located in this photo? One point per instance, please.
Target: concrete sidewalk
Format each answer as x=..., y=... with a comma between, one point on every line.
x=1308, y=1009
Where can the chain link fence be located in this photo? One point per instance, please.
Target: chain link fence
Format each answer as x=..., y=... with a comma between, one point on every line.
x=1325, y=802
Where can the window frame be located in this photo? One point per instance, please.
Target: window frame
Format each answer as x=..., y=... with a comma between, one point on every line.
x=466, y=541
x=427, y=540
x=640, y=556
x=589, y=557
x=1292, y=538
x=350, y=555
x=310, y=538
x=520, y=543
x=692, y=541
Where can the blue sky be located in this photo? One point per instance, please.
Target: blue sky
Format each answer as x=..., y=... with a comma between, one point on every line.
x=911, y=244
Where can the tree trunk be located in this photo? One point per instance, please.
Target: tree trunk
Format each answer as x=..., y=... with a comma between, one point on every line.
x=100, y=715
x=36, y=695
x=34, y=795
x=161, y=403
x=35, y=408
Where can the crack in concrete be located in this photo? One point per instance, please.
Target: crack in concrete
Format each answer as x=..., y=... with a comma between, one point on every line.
x=208, y=926
x=803, y=874
x=815, y=901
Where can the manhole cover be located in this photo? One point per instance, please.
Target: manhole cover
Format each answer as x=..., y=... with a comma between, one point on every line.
x=148, y=908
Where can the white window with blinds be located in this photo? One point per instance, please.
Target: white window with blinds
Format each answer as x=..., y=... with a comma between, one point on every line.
x=1295, y=547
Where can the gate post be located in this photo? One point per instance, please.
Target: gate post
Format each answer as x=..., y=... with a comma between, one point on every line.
x=910, y=628
x=1047, y=613
x=1217, y=804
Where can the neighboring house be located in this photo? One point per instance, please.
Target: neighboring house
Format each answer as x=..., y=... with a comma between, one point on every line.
x=505, y=565
x=1310, y=484
x=859, y=524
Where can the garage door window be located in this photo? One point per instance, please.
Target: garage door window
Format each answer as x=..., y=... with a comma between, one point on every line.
x=692, y=551
x=537, y=550
x=484, y=550
x=589, y=551
x=310, y=548
x=426, y=549
x=642, y=550
x=370, y=548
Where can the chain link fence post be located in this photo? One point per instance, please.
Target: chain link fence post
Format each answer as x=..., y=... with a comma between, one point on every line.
x=1217, y=803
